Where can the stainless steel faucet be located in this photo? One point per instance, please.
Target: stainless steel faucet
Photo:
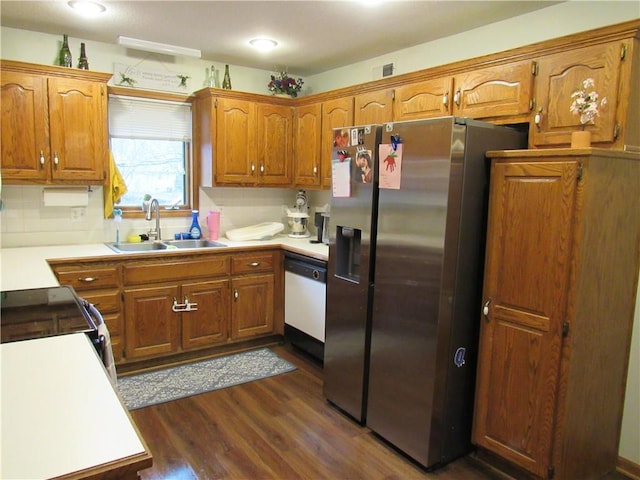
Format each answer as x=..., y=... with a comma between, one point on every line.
x=153, y=206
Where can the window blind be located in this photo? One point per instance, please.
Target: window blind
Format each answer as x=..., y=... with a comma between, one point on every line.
x=131, y=117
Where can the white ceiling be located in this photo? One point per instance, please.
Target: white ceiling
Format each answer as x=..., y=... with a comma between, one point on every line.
x=314, y=36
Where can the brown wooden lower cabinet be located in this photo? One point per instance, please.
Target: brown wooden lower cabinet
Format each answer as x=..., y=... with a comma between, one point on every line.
x=252, y=306
x=559, y=293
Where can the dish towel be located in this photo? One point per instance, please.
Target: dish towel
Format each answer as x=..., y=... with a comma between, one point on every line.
x=114, y=188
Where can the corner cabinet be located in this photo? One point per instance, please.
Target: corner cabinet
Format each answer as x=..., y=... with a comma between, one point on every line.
x=559, y=292
x=54, y=125
x=243, y=139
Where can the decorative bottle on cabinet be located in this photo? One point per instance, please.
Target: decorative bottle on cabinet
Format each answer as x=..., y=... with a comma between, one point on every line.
x=195, y=230
x=226, y=82
x=65, y=53
x=83, y=63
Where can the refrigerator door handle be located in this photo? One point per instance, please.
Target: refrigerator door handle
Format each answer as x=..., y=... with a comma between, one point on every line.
x=485, y=309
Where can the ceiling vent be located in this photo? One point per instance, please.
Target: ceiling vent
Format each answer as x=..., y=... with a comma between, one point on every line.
x=387, y=70
x=382, y=71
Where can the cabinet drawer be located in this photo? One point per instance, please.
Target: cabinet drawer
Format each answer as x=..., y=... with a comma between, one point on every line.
x=106, y=302
x=251, y=263
x=178, y=270
x=82, y=278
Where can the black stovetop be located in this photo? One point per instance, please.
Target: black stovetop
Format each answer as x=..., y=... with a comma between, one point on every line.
x=41, y=312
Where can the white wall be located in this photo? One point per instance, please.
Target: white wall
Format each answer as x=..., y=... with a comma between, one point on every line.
x=25, y=222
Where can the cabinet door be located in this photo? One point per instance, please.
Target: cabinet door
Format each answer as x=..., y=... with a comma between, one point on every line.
x=252, y=310
x=207, y=325
x=335, y=114
x=431, y=98
x=25, y=132
x=307, y=137
x=77, y=124
x=235, y=159
x=526, y=282
x=501, y=91
x=562, y=73
x=373, y=107
x=151, y=326
x=274, y=143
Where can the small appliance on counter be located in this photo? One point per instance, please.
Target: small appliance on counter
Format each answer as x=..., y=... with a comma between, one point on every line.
x=299, y=217
x=321, y=222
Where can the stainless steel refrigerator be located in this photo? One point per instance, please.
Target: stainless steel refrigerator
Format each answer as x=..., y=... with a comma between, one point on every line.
x=404, y=280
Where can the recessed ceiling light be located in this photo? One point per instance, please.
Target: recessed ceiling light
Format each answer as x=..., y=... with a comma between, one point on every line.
x=86, y=7
x=263, y=44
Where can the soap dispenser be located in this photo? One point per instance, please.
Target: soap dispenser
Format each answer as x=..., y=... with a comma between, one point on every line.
x=195, y=230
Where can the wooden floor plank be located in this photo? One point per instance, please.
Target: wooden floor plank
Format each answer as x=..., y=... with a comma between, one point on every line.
x=277, y=428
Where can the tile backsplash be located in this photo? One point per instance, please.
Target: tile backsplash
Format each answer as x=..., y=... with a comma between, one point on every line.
x=25, y=221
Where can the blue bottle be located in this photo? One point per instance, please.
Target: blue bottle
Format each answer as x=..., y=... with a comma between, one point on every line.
x=195, y=230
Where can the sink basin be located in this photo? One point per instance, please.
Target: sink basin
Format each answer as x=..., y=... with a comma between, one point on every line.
x=137, y=247
x=201, y=243
x=162, y=245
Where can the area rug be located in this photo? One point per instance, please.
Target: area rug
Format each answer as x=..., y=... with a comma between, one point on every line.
x=173, y=383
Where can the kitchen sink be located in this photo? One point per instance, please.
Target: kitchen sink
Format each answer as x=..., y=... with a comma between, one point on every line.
x=162, y=245
x=194, y=243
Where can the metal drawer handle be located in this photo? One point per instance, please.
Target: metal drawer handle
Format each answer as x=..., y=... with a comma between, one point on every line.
x=87, y=279
x=254, y=264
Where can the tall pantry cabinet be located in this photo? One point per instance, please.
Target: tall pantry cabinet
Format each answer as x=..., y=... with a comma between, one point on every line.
x=561, y=269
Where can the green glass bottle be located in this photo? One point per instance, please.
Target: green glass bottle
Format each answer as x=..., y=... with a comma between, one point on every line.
x=65, y=53
x=83, y=63
x=226, y=81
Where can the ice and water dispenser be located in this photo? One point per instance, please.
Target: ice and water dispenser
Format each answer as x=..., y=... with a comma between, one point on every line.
x=347, y=264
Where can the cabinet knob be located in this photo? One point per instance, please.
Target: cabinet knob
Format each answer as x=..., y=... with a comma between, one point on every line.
x=485, y=309
x=56, y=160
x=456, y=97
x=315, y=170
x=235, y=294
x=253, y=168
x=538, y=119
x=41, y=158
x=261, y=168
x=445, y=99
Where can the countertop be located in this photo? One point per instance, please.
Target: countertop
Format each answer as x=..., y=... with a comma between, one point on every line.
x=60, y=413
x=27, y=267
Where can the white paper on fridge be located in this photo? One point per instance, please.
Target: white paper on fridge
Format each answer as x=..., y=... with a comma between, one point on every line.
x=390, y=168
x=341, y=177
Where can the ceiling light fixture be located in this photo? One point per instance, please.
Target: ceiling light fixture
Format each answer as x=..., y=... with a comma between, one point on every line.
x=148, y=46
x=87, y=8
x=263, y=44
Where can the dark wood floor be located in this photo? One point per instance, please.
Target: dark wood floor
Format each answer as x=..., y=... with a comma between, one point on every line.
x=276, y=428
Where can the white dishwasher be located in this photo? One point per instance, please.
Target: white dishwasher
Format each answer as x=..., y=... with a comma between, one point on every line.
x=305, y=300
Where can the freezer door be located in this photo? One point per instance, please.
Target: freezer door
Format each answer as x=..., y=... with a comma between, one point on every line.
x=350, y=273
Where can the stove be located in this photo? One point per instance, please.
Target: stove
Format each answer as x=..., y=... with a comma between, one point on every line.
x=43, y=312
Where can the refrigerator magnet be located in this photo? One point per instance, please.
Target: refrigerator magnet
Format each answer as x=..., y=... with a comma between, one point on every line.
x=390, y=166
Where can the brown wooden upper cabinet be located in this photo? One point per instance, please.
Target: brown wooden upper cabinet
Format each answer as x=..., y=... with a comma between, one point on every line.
x=560, y=74
x=492, y=93
x=336, y=113
x=307, y=137
x=54, y=124
x=244, y=139
x=373, y=107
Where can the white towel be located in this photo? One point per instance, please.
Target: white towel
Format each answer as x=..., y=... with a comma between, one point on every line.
x=109, y=362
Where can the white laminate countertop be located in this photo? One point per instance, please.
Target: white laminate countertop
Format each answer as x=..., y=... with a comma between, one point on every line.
x=60, y=413
x=27, y=267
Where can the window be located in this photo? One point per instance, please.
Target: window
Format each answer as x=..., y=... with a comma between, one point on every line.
x=151, y=145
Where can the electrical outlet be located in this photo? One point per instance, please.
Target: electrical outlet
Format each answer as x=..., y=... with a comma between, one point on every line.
x=78, y=214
